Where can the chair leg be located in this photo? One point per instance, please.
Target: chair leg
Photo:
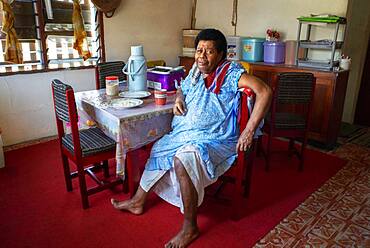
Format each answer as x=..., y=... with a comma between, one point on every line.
x=106, y=168
x=291, y=147
x=259, y=146
x=130, y=175
x=268, y=152
x=237, y=201
x=303, y=149
x=248, y=172
x=67, y=172
x=83, y=187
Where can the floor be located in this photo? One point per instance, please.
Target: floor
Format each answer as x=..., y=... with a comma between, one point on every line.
x=338, y=213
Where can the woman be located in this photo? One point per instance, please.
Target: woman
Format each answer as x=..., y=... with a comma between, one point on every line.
x=204, y=141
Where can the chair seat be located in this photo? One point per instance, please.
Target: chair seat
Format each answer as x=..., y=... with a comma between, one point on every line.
x=288, y=121
x=93, y=141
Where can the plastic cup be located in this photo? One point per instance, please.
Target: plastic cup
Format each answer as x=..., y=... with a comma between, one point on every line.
x=160, y=97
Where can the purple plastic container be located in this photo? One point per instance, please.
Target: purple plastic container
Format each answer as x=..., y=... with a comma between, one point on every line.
x=273, y=52
x=163, y=77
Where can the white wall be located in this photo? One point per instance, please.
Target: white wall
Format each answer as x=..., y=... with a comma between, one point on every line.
x=157, y=25
x=256, y=16
x=26, y=107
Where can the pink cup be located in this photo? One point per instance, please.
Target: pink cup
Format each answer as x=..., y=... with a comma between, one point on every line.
x=160, y=97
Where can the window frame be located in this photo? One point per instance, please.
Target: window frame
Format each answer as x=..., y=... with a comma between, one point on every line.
x=43, y=46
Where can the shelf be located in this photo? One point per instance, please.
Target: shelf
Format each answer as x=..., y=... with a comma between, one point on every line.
x=322, y=21
x=325, y=44
x=321, y=64
x=320, y=45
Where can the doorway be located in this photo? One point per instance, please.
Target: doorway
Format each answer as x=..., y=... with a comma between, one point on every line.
x=362, y=114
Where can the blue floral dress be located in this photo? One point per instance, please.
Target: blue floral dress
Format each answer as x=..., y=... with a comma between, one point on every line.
x=210, y=124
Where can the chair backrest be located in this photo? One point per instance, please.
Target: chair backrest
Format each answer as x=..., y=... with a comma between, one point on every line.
x=295, y=87
x=292, y=100
x=60, y=99
x=105, y=69
x=66, y=111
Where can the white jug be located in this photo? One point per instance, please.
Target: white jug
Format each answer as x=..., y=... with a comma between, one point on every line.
x=136, y=70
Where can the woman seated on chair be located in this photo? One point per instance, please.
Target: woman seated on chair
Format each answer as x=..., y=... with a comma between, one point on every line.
x=204, y=141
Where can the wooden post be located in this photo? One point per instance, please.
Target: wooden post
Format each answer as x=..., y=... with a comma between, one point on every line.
x=42, y=36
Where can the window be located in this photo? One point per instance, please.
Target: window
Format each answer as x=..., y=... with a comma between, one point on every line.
x=47, y=41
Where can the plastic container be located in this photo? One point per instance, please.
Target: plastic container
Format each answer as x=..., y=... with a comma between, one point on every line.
x=165, y=77
x=273, y=52
x=253, y=49
x=111, y=84
x=290, y=52
x=234, y=48
x=345, y=64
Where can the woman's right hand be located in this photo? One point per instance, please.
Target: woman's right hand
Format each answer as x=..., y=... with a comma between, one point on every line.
x=180, y=107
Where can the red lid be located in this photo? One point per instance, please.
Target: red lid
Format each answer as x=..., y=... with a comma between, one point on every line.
x=111, y=78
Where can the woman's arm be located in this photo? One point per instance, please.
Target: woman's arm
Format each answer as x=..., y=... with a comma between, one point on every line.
x=263, y=98
x=180, y=107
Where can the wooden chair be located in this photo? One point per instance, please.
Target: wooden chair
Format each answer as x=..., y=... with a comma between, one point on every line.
x=240, y=174
x=86, y=148
x=289, y=115
x=105, y=69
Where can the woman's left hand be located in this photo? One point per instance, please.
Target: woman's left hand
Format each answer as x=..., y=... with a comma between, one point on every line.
x=245, y=140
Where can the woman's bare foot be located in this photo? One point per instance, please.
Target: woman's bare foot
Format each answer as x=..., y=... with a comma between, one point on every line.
x=130, y=205
x=187, y=234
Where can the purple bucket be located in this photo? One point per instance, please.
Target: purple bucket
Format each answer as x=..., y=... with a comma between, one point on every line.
x=273, y=52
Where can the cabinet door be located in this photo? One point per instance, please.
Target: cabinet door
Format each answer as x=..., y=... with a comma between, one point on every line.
x=263, y=75
x=321, y=109
x=187, y=62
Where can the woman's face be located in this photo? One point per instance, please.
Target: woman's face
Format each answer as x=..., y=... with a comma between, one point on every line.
x=207, y=57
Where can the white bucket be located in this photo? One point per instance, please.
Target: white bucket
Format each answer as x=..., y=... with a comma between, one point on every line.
x=234, y=48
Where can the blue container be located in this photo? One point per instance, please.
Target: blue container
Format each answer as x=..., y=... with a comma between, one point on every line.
x=274, y=52
x=253, y=49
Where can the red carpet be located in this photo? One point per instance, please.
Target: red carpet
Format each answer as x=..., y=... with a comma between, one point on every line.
x=37, y=211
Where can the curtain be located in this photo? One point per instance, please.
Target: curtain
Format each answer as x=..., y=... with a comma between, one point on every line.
x=13, y=50
x=80, y=35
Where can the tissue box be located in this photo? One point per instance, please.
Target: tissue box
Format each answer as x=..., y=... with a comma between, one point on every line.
x=165, y=77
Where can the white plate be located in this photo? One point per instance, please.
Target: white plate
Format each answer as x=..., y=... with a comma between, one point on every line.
x=134, y=94
x=125, y=103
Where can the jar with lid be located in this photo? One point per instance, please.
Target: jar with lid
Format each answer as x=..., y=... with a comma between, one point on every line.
x=111, y=84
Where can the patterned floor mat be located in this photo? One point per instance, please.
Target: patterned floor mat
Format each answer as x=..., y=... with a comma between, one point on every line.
x=337, y=214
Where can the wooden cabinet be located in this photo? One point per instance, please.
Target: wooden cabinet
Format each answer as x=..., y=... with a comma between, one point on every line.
x=328, y=99
x=187, y=62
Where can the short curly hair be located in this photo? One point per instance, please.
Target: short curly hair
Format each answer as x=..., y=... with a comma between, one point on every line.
x=213, y=35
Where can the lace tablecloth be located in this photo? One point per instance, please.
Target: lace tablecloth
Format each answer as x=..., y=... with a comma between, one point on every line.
x=132, y=128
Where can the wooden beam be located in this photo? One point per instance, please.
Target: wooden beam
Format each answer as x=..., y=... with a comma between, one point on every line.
x=67, y=5
x=39, y=7
x=65, y=16
x=23, y=33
